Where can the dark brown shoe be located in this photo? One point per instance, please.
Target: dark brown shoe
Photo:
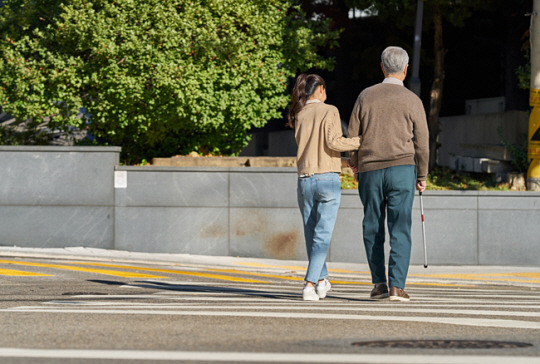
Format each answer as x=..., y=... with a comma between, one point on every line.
x=397, y=294
x=379, y=292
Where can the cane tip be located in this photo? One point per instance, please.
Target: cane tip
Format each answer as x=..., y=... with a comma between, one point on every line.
x=425, y=265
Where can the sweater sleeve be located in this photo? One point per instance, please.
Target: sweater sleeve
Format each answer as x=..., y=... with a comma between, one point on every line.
x=334, y=137
x=354, y=130
x=421, y=142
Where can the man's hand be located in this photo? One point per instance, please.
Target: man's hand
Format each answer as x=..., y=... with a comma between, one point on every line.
x=420, y=186
x=354, y=168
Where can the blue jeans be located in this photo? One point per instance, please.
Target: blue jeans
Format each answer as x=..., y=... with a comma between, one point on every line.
x=388, y=190
x=318, y=199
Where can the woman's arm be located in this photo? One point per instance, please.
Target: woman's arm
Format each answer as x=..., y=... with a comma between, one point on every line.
x=354, y=130
x=334, y=137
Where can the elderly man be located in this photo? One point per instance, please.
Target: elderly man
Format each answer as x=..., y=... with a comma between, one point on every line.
x=393, y=159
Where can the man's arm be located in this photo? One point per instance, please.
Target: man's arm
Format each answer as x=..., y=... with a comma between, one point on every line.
x=354, y=130
x=421, y=142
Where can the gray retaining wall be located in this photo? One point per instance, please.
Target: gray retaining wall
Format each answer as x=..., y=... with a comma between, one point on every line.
x=57, y=196
x=60, y=197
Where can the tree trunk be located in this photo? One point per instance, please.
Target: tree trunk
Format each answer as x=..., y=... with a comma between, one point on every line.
x=436, y=88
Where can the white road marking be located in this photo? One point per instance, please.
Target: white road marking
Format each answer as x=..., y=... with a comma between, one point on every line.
x=295, y=296
x=467, y=321
x=394, y=309
x=218, y=284
x=261, y=357
x=281, y=303
x=292, y=297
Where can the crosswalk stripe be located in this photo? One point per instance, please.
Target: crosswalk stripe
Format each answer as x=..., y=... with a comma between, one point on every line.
x=468, y=321
x=173, y=271
x=302, y=307
x=183, y=296
x=283, y=303
x=264, y=357
x=14, y=273
x=80, y=269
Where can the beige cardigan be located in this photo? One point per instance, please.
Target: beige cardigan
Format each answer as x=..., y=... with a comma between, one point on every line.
x=320, y=140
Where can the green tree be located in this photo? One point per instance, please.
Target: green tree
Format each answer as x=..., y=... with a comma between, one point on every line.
x=157, y=77
x=436, y=13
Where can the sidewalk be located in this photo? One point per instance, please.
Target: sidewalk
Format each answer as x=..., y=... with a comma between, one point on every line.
x=466, y=276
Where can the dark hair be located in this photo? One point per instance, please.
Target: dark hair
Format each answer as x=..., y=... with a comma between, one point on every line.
x=304, y=87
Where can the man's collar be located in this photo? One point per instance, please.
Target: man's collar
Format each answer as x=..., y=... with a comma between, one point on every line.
x=393, y=80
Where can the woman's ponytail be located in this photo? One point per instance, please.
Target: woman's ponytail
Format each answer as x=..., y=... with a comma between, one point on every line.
x=304, y=87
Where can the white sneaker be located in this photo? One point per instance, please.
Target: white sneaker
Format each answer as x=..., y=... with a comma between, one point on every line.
x=309, y=294
x=323, y=287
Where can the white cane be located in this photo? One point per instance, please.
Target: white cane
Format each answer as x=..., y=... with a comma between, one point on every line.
x=423, y=230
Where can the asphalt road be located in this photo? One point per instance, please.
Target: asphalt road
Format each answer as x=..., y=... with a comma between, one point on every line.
x=111, y=309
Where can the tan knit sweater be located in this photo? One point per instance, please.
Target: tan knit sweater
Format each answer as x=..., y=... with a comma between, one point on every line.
x=320, y=140
x=392, y=122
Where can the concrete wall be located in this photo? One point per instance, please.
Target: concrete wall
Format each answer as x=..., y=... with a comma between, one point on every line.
x=253, y=212
x=62, y=197
x=476, y=136
x=57, y=196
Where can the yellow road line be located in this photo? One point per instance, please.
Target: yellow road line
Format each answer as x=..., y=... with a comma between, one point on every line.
x=262, y=265
x=242, y=272
x=88, y=270
x=182, y=272
x=450, y=276
x=482, y=277
x=347, y=271
x=408, y=284
x=13, y=272
x=235, y=271
x=530, y=274
x=296, y=267
x=438, y=284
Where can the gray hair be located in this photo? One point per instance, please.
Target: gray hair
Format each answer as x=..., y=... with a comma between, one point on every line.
x=394, y=60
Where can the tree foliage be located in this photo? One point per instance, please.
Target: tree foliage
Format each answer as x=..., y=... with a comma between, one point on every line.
x=524, y=72
x=157, y=77
x=454, y=12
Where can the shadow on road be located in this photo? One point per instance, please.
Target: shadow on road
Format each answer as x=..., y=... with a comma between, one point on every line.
x=224, y=290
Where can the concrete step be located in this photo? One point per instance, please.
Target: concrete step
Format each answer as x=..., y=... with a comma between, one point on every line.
x=480, y=165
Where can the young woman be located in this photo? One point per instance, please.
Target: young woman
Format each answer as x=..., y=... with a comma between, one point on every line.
x=320, y=141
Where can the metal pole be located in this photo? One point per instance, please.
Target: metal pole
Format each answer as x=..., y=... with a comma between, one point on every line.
x=533, y=174
x=415, y=83
x=423, y=230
